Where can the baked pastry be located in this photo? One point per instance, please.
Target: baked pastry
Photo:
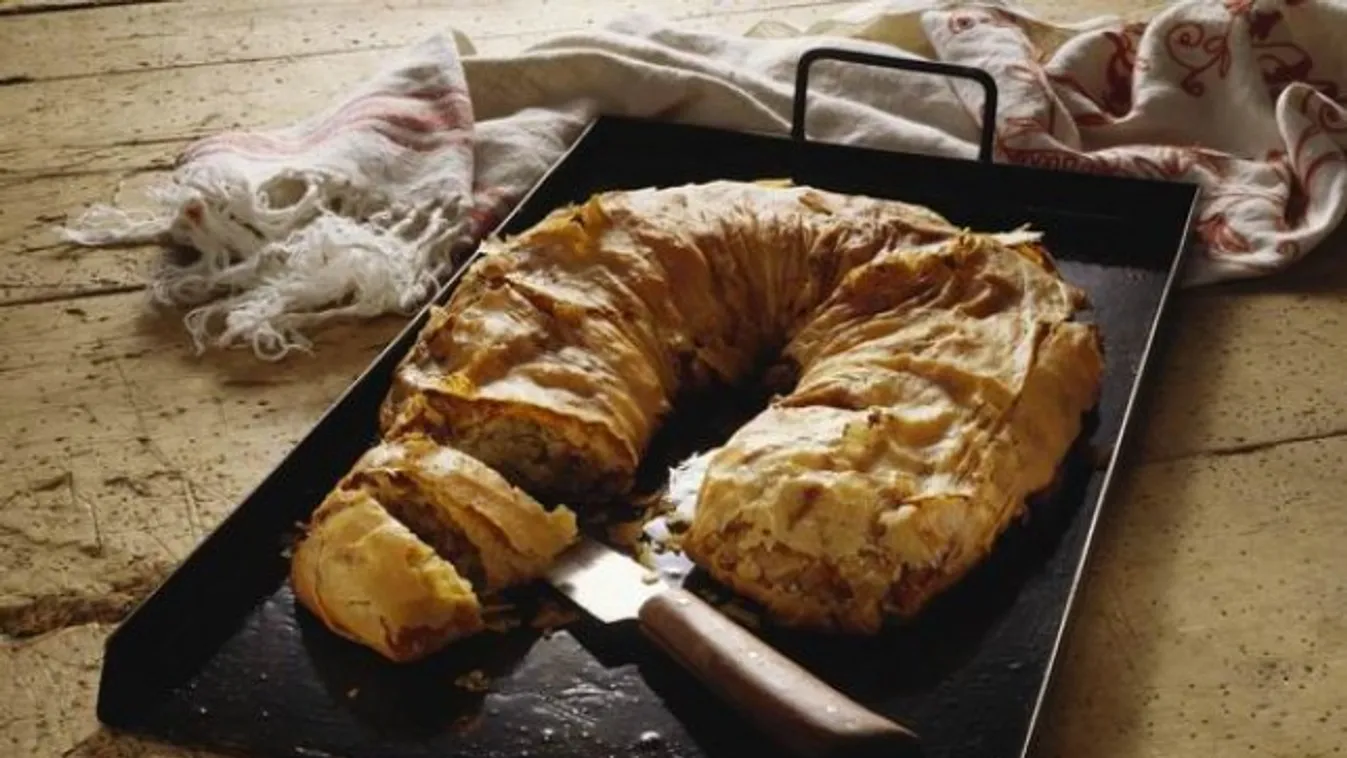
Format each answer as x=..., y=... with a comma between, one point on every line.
x=493, y=532
x=399, y=554
x=940, y=387
x=941, y=380
x=372, y=581
x=562, y=349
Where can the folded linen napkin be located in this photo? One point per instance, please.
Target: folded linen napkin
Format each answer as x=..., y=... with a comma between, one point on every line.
x=362, y=209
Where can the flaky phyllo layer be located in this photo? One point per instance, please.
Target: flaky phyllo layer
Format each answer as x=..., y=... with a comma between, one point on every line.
x=941, y=382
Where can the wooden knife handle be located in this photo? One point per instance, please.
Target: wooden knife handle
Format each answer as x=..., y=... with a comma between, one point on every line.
x=805, y=715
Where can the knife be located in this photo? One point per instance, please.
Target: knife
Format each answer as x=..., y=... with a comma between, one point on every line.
x=804, y=714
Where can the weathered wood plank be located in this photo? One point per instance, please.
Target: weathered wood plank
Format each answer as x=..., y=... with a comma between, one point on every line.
x=49, y=686
x=57, y=122
x=121, y=448
x=34, y=262
x=12, y=8
x=43, y=161
x=1248, y=370
x=135, y=38
x=142, y=118
x=1213, y=620
x=1248, y=366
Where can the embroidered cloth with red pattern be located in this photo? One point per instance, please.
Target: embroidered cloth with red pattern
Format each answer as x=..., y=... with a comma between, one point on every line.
x=361, y=209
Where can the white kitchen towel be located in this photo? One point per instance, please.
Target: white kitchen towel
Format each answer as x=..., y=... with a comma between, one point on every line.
x=360, y=210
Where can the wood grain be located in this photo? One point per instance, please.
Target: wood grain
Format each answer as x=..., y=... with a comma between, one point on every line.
x=39, y=265
x=147, y=116
x=1211, y=620
x=1254, y=364
x=13, y=8
x=177, y=35
x=48, y=685
x=46, y=123
x=122, y=448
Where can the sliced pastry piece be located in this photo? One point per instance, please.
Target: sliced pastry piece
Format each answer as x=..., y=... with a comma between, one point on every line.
x=493, y=532
x=533, y=392
x=400, y=555
x=371, y=580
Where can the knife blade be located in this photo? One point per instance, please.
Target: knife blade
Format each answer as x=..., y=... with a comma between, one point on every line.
x=805, y=715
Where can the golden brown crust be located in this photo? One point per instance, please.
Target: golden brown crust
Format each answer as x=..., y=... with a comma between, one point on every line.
x=500, y=361
x=941, y=387
x=512, y=537
x=562, y=350
x=398, y=554
x=369, y=579
x=941, y=382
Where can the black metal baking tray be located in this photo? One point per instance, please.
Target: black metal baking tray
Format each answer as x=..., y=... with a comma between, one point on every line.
x=220, y=656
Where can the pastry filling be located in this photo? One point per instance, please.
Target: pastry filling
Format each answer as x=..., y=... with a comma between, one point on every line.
x=529, y=455
x=429, y=522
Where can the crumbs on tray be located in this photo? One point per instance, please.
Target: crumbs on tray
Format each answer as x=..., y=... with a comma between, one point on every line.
x=473, y=681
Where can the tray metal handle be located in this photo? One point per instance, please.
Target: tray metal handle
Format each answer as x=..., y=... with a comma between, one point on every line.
x=985, y=146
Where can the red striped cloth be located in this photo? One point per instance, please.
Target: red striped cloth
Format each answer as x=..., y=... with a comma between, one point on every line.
x=353, y=212
x=359, y=210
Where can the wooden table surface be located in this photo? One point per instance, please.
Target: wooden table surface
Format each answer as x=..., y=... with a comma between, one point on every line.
x=1213, y=621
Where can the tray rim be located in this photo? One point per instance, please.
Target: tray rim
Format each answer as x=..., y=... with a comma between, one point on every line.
x=1121, y=448
x=1138, y=386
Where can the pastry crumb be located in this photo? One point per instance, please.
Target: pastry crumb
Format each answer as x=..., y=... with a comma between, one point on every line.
x=501, y=617
x=502, y=624
x=645, y=556
x=473, y=681
x=668, y=543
